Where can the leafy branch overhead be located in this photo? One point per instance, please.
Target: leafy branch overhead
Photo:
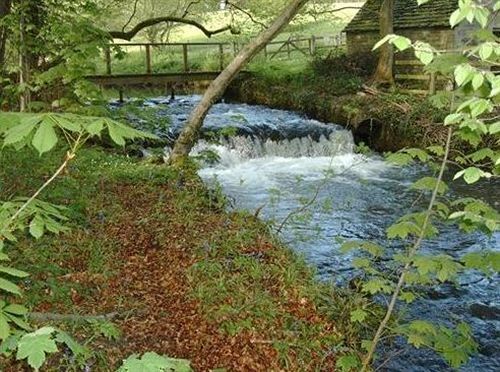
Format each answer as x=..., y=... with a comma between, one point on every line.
x=41, y=130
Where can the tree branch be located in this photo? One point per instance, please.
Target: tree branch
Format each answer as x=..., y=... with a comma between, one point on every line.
x=188, y=8
x=128, y=35
x=134, y=12
x=248, y=14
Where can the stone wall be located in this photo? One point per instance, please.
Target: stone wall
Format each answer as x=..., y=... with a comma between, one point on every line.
x=363, y=42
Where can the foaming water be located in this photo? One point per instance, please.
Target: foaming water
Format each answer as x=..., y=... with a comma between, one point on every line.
x=280, y=160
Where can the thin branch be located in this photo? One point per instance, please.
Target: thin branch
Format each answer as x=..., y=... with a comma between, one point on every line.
x=413, y=250
x=247, y=13
x=128, y=35
x=313, y=199
x=335, y=10
x=69, y=157
x=186, y=11
x=131, y=16
x=41, y=317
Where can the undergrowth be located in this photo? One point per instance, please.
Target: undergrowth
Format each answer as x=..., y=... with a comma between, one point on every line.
x=253, y=292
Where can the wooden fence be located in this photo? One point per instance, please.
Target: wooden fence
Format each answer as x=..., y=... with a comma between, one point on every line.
x=188, y=54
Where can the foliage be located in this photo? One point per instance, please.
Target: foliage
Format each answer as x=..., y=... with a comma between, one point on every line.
x=336, y=64
x=471, y=119
x=42, y=132
x=152, y=362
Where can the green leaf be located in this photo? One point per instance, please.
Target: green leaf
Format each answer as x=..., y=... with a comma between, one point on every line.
x=358, y=315
x=453, y=118
x=494, y=128
x=95, y=128
x=424, y=52
x=472, y=175
x=13, y=272
x=402, y=230
x=377, y=285
x=4, y=328
x=399, y=159
x=482, y=14
x=421, y=2
x=34, y=347
x=37, y=227
x=463, y=74
x=425, y=265
x=152, y=362
x=348, y=363
x=64, y=122
x=477, y=81
x=408, y=297
x=401, y=42
x=456, y=17
x=45, y=137
x=8, y=286
x=73, y=345
x=15, y=309
x=429, y=183
x=21, y=131
x=106, y=329
x=485, y=51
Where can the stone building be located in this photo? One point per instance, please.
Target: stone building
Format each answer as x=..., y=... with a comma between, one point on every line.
x=428, y=22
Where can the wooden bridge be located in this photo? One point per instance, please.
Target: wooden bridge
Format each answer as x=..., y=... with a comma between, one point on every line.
x=168, y=64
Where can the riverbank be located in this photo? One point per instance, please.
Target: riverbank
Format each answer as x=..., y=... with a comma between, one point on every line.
x=175, y=272
x=383, y=121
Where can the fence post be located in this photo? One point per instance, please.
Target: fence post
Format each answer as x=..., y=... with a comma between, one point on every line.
x=432, y=83
x=235, y=48
x=107, y=52
x=312, y=45
x=288, y=51
x=148, y=59
x=265, y=51
x=221, y=56
x=185, y=57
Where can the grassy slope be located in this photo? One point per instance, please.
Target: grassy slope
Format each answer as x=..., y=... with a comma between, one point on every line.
x=187, y=278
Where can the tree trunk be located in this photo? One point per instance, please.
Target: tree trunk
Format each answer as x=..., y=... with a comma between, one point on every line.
x=5, y=6
x=190, y=133
x=383, y=74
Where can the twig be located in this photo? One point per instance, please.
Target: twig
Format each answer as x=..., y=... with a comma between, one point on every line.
x=38, y=316
x=412, y=252
x=69, y=157
x=313, y=199
x=186, y=11
x=248, y=14
x=134, y=12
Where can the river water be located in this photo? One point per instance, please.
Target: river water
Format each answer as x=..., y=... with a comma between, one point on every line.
x=279, y=160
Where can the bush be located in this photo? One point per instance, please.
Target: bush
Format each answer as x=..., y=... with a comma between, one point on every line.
x=338, y=64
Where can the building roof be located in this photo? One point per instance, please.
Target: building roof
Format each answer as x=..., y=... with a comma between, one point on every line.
x=407, y=14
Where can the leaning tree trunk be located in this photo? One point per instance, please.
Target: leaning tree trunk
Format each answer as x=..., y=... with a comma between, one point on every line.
x=384, y=74
x=190, y=133
x=5, y=6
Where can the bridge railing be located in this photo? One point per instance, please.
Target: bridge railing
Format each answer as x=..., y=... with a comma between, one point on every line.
x=151, y=58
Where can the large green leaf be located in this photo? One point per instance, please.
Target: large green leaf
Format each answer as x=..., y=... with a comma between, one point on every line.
x=10, y=287
x=19, y=132
x=45, y=137
x=152, y=362
x=34, y=347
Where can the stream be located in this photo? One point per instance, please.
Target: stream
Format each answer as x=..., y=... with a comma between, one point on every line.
x=278, y=160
